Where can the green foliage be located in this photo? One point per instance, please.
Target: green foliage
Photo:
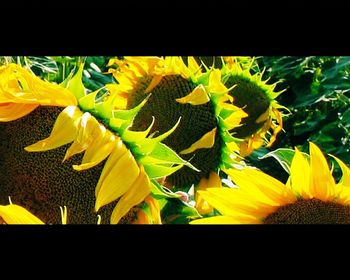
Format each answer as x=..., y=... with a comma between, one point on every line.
x=58, y=68
x=318, y=98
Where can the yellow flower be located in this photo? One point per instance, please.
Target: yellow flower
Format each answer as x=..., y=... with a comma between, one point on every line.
x=175, y=90
x=98, y=128
x=21, y=92
x=310, y=196
x=257, y=98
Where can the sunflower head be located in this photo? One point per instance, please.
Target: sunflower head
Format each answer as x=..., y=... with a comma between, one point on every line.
x=257, y=98
x=94, y=124
x=176, y=90
x=310, y=196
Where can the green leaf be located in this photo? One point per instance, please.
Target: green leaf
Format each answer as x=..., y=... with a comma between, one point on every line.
x=284, y=157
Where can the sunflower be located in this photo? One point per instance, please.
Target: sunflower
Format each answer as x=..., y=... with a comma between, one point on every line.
x=175, y=90
x=310, y=196
x=94, y=125
x=257, y=98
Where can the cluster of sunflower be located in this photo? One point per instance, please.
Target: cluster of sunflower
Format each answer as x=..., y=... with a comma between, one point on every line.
x=164, y=141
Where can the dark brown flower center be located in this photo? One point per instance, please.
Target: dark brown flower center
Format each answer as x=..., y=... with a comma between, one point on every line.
x=40, y=182
x=252, y=99
x=310, y=211
x=195, y=122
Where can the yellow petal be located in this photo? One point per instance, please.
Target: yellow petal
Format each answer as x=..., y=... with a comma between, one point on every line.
x=232, y=202
x=235, y=118
x=322, y=181
x=118, y=151
x=300, y=175
x=343, y=195
x=276, y=127
x=21, y=86
x=135, y=195
x=264, y=116
x=155, y=81
x=14, y=111
x=198, y=96
x=63, y=132
x=155, y=209
x=142, y=218
x=118, y=180
x=83, y=137
x=214, y=181
x=262, y=186
x=215, y=83
x=63, y=214
x=202, y=206
x=97, y=151
x=345, y=179
x=193, y=65
x=15, y=214
x=207, y=141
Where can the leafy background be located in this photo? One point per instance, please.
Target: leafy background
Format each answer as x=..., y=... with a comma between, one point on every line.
x=317, y=95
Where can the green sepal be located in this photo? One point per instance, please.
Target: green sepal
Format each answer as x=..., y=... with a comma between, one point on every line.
x=130, y=136
x=75, y=84
x=163, y=153
x=87, y=102
x=158, y=171
x=129, y=114
x=159, y=191
x=147, y=145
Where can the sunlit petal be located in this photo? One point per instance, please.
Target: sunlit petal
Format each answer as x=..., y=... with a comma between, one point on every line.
x=14, y=111
x=207, y=141
x=322, y=181
x=135, y=195
x=300, y=175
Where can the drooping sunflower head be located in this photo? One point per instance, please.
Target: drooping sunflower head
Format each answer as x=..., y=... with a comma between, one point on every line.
x=310, y=196
x=94, y=125
x=257, y=98
x=176, y=90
